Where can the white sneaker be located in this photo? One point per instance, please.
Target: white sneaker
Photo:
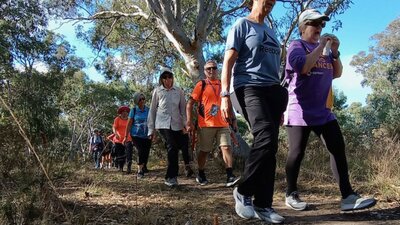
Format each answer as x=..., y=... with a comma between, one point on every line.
x=243, y=205
x=232, y=181
x=293, y=201
x=268, y=214
x=355, y=202
x=171, y=182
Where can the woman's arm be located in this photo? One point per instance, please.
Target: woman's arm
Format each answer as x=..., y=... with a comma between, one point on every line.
x=337, y=68
x=127, y=129
x=229, y=60
x=152, y=113
x=313, y=57
x=337, y=63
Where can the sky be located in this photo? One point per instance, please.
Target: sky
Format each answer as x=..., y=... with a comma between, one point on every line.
x=359, y=23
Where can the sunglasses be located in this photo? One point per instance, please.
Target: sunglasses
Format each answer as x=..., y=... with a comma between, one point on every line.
x=142, y=99
x=316, y=23
x=210, y=68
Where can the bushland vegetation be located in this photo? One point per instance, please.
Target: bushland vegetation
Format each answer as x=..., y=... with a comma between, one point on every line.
x=49, y=106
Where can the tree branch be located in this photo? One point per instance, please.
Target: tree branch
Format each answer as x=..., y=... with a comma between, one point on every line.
x=224, y=13
x=219, y=14
x=104, y=38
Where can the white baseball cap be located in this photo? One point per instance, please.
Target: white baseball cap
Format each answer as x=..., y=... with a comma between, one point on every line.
x=165, y=70
x=312, y=14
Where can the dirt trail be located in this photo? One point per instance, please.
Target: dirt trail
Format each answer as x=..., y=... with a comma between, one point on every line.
x=109, y=197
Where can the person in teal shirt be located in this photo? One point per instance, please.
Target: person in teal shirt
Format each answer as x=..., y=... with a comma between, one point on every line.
x=137, y=128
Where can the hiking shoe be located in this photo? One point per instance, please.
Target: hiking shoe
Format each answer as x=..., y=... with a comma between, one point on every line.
x=202, y=180
x=171, y=182
x=232, y=181
x=188, y=171
x=140, y=174
x=355, y=202
x=293, y=201
x=243, y=205
x=268, y=215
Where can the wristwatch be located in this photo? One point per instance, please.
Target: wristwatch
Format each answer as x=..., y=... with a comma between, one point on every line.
x=336, y=56
x=225, y=93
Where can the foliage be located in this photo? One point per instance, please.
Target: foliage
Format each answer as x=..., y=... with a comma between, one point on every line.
x=381, y=71
x=140, y=35
x=22, y=25
x=58, y=106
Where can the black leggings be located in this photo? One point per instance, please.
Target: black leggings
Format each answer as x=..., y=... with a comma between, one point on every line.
x=332, y=138
x=143, y=146
x=120, y=155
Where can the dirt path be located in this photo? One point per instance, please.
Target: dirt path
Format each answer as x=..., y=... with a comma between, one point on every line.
x=109, y=197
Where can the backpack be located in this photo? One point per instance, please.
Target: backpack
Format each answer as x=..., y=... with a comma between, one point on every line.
x=201, y=105
x=96, y=146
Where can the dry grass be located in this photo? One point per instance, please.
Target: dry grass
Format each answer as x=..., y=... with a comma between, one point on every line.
x=385, y=164
x=109, y=197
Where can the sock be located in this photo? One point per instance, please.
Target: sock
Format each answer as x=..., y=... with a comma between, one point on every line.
x=201, y=173
x=229, y=172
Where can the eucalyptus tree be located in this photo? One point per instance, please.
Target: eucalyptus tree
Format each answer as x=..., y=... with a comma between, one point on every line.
x=380, y=67
x=22, y=25
x=150, y=32
x=24, y=43
x=86, y=105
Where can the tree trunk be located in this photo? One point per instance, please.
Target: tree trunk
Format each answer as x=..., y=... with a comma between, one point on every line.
x=191, y=51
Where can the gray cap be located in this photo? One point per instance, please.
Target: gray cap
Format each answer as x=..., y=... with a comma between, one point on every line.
x=312, y=14
x=136, y=97
x=165, y=70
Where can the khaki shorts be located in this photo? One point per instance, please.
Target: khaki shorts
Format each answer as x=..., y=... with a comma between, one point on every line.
x=207, y=135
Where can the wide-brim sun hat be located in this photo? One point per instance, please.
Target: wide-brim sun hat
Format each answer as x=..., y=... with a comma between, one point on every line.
x=312, y=14
x=123, y=108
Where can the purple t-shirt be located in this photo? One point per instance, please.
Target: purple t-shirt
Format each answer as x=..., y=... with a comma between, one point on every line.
x=307, y=92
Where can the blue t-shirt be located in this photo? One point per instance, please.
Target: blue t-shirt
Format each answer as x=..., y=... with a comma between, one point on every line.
x=139, y=125
x=258, y=50
x=308, y=92
x=96, y=139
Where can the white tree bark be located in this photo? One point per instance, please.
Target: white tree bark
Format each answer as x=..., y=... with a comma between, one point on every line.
x=169, y=18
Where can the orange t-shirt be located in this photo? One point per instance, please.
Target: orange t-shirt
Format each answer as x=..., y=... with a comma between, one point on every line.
x=212, y=102
x=120, y=127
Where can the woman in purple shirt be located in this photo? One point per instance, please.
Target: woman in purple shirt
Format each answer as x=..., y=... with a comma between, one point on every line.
x=309, y=74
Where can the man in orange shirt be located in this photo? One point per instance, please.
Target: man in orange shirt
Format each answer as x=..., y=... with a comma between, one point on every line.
x=210, y=122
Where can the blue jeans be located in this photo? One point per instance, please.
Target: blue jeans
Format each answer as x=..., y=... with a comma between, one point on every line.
x=262, y=108
x=97, y=158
